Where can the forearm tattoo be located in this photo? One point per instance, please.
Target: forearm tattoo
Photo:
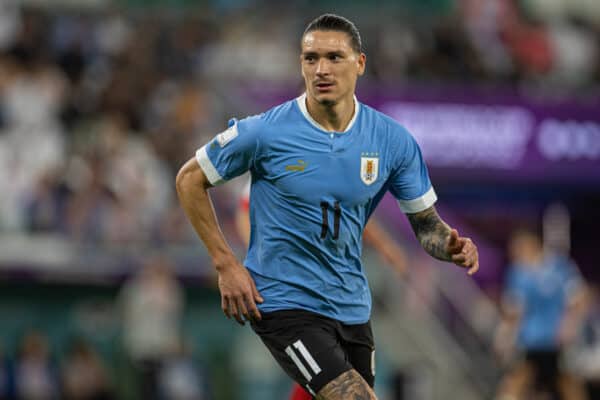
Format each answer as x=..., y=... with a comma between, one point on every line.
x=432, y=232
x=348, y=386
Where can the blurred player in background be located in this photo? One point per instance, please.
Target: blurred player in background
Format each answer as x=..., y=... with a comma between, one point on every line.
x=542, y=311
x=374, y=235
x=320, y=164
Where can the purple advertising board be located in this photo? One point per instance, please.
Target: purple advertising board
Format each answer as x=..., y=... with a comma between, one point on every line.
x=494, y=134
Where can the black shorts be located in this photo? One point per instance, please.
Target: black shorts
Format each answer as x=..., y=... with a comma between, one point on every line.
x=314, y=350
x=546, y=368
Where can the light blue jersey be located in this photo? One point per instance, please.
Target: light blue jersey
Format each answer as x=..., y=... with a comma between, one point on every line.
x=542, y=294
x=312, y=193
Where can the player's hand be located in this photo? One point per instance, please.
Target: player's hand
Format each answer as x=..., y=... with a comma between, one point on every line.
x=463, y=252
x=238, y=291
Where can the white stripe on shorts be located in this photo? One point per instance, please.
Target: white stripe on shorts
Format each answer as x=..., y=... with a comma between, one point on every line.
x=373, y=363
x=307, y=356
x=296, y=360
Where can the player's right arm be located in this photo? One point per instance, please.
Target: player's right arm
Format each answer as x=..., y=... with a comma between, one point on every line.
x=411, y=185
x=443, y=242
x=238, y=291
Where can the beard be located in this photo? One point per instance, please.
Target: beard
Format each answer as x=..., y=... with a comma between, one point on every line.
x=327, y=102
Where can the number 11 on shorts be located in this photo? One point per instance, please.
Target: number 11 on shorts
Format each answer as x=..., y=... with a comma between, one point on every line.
x=308, y=359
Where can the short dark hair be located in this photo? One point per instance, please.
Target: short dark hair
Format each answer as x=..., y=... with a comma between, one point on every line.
x=332, y=22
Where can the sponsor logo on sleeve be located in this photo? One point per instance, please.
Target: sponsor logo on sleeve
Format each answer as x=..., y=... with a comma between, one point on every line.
x=227, y=136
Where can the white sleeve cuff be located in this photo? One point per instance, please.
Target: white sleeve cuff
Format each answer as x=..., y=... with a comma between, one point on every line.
x=207, y=167
x=419, y=204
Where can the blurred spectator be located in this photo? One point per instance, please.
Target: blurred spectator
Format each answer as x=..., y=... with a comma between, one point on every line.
x=92, y=204
x=31, y=91
x=542, y=310
x=152, y=304
x=576, y=52
x=84, y=377
x=482, y=19
x=34, y=373
x=137, y=178
x=527, y=41
x=45, y=207
x=181, y=378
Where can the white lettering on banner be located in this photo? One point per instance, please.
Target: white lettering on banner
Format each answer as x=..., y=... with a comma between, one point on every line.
x=467, y=136
x=569, y=140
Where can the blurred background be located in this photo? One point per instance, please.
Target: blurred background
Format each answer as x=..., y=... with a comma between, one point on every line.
x=106, y=292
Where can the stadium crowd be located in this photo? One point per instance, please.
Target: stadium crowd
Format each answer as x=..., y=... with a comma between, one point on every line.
x=113, y=102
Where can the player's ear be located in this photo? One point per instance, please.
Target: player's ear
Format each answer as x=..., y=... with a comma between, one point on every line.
x=362, y=62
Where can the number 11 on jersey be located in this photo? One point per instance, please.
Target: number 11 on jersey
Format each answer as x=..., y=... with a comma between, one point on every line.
x=337, y=214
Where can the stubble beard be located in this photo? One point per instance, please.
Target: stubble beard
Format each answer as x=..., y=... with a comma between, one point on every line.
x=328, y=103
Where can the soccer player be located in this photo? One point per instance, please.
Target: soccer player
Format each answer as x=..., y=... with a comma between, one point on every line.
x=320, y=164
x=542, y=311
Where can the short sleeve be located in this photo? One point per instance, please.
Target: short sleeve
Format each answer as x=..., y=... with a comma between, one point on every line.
x=409, y=182
x=231, y=152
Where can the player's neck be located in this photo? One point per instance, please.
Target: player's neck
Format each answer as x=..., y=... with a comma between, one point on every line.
x=334, y=117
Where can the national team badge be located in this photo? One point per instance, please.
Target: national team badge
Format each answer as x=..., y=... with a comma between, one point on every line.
x=369, y=168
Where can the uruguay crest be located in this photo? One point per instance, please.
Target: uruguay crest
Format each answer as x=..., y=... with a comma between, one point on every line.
x=369, y=168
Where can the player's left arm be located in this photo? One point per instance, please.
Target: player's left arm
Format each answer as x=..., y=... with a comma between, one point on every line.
x=442, y=242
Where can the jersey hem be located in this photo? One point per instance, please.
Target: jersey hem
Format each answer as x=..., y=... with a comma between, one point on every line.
x=303, y=308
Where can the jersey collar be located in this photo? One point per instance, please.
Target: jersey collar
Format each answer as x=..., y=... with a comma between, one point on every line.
x=302, y=105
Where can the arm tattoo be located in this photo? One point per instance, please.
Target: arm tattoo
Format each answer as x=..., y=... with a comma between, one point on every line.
x=348, y=386
x=432, y=232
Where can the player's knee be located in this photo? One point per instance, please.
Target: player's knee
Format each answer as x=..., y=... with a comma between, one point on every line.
x=349, y=385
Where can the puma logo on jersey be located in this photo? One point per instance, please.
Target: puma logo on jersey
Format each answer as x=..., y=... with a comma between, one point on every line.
x=298, y=167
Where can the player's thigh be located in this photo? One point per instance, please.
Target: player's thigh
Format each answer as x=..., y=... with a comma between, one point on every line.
x=518, y=379
x=349, y=385
x=305, y=345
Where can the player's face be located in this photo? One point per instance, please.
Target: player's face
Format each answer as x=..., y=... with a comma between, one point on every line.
x=330, y=66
